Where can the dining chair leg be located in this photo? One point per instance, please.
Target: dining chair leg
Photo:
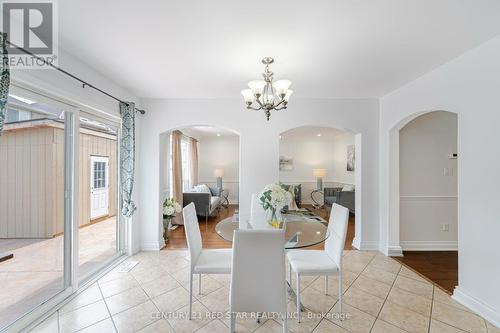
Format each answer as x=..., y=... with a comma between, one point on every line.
x=340, y=296
x=290, y=274
x=190, y=294
x=326, y=284
x=298, y=296
x=285, y=322
x=199, y=284
x=233, y=322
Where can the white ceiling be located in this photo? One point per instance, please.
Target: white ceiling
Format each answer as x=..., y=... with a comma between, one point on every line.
x=200, y=132
x=328, y=48
x=313, y=132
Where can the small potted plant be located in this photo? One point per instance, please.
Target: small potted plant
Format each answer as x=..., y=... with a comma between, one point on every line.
x=170, y=209
x=273, y=198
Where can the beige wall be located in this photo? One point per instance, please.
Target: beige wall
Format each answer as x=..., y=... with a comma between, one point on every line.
x=32, y=178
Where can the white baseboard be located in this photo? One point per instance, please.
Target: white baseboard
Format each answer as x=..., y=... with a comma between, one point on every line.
x=394, y=251
x=429, y=245
x=366, y=245
x=152, y=245
x=356, y=243
x=484, y=310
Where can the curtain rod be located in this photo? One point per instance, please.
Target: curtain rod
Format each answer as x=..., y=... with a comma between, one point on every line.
x=84, y=83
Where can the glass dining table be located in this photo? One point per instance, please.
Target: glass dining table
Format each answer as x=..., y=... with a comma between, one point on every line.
x=300, y=232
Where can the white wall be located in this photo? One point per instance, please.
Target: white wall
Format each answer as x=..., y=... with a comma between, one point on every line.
x=310, y=151
x=259, y=148
x=468, y=86
x=428, y=182
x=69, y=90
x=220, y=152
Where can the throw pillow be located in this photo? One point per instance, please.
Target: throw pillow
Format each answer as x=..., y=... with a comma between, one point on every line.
x=348, y=188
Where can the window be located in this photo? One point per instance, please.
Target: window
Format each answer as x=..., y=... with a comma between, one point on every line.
x=13, y=115
x=99, y=175
x=186, y=159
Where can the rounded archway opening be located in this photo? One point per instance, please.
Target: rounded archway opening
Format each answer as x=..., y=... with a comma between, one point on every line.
x=423, y=195
x=199, y=163
x=323, y=166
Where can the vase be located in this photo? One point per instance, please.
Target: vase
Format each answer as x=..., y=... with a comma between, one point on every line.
x=274, y=218
x=166, y=226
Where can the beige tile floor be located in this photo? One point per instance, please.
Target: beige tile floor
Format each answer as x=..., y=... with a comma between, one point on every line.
x=381, y=296
x=36, y=271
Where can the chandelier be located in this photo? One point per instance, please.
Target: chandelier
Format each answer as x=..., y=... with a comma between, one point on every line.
x=265, y=94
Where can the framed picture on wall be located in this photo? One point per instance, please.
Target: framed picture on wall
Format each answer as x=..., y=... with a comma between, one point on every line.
x=351, y=156
x=286, y=163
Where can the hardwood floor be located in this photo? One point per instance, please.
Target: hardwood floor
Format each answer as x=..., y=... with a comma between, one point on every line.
x=441, y=267
x=212, y=240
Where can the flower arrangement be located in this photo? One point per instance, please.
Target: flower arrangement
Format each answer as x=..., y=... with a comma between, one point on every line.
x=170, y=209
x=273, y=199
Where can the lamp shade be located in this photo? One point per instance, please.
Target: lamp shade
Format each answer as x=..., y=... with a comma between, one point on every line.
x=257, y=86
x=218, y=172
x=319, y=173
x=289, y=93
x=282, y=86
x=248, y=95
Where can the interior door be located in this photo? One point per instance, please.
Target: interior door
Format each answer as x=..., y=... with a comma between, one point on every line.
x=99, y=186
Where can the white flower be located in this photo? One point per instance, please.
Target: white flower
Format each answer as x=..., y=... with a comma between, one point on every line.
x=169, y=210
x=178, y=207
x=275, y=197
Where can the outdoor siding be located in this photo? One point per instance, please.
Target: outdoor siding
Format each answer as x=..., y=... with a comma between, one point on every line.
x=32, y=179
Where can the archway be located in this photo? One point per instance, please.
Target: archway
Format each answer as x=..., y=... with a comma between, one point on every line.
x=209, y=169
x=423, y=197
x=323, y=164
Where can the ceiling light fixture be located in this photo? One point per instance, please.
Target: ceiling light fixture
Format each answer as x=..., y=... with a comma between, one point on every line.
x=266, y=94
x=218, y=134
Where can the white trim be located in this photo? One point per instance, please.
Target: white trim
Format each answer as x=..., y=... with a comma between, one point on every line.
x=487, y=312
x=429, y=245
x=366, y=245
x=394, y=251
x=416, y=197
x=356, y=243
x=151, y=245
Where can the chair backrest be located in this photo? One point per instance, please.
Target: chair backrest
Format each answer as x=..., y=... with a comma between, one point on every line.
x=258, y=271
x=256, y=208
x=193, y=234
x=337, y=227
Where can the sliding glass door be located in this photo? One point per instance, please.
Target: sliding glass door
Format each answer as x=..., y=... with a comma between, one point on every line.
x=59, y=202
x=98, y=193
x=35, y=215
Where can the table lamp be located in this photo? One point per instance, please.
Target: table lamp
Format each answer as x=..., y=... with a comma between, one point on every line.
x=218, y=173
x=319, y=174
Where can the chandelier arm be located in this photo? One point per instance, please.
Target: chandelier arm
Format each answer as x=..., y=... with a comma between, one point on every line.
x=252, y=108
x=281, y=108
x=258, y=102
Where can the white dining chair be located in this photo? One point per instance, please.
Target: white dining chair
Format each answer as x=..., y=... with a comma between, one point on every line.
x=214, y=261
x=325, y=262
x=258, y=282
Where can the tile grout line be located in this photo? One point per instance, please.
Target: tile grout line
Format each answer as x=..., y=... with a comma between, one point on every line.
x=351, y=285
x=106, y=304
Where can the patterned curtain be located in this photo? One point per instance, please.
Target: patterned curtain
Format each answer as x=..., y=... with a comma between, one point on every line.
x=4, y=79
x=127, y=157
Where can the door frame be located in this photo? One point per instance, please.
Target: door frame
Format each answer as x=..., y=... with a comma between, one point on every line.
x=93, y=159
x=73, y=110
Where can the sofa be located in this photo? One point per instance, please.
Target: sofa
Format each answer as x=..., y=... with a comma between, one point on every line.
x=206, y=203
x=340, y=196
